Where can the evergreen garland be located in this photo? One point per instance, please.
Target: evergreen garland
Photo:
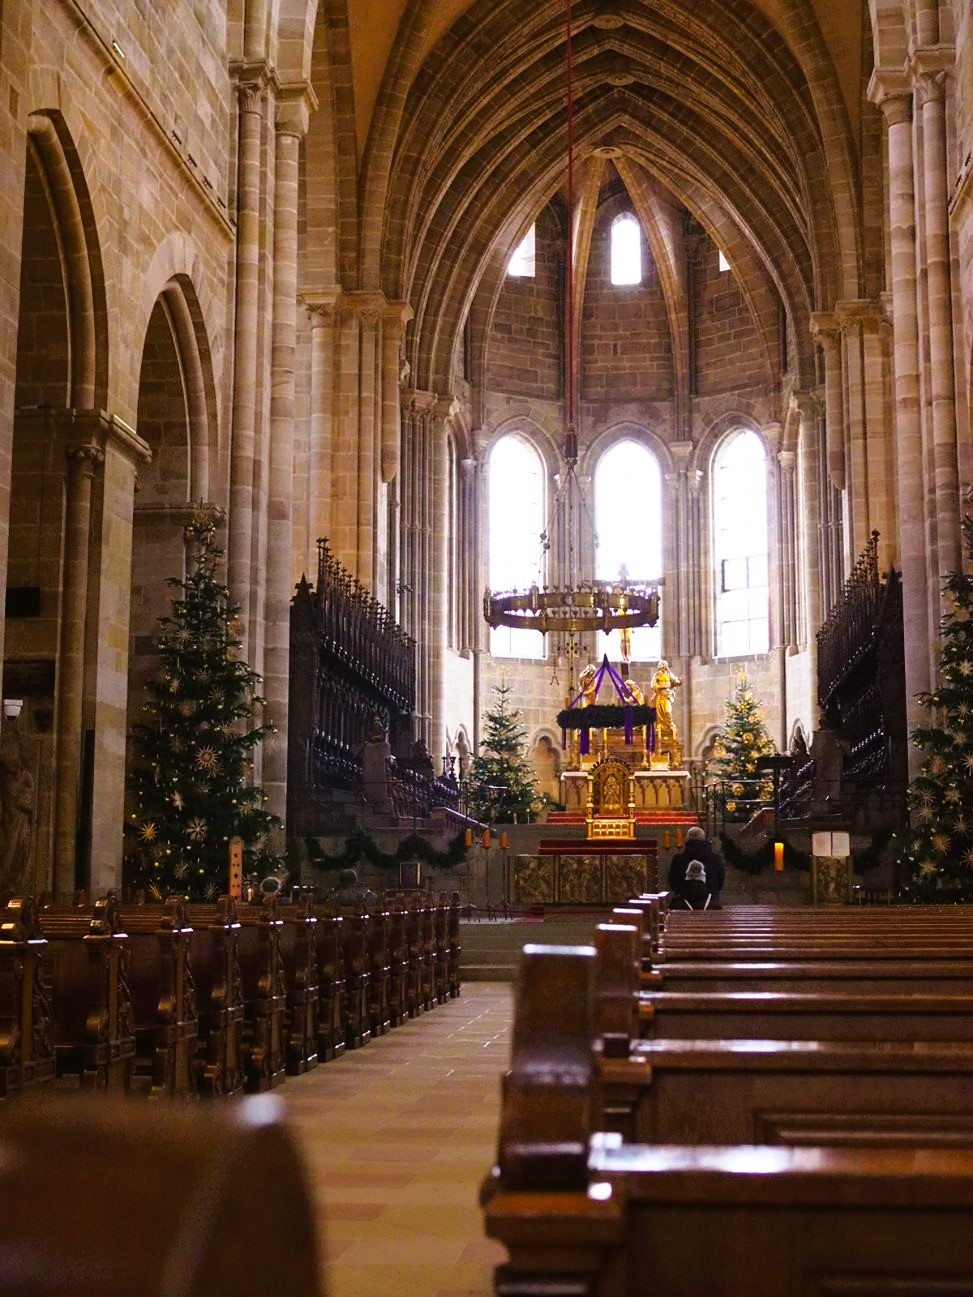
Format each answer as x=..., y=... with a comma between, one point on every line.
x=193, y=755
x=362, y=846
x=743, y=740
x=936, y=856
x=502, y=783
x=604, y=716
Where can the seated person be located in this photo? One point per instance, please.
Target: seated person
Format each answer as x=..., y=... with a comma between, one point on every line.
x=710, y=873
x=350, y=891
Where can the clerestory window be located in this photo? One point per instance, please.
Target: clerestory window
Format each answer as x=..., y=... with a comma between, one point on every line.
x=516, y=495
x=740, y=546
x=626, y=250
x=523, y=259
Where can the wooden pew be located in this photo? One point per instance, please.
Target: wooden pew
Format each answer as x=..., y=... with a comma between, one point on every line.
x=888, y=976
x=298, y=949
x=26, y=1027
x=163, y=999
x=99, y=1199
x=453, y=948
x=379, y=970
x=332, y=1016
x=264, y=994
x=85, y=974
x=215, y=960
x=354, y=950
x=576, y=1209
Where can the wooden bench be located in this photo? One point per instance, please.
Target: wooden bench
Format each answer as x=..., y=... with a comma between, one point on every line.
x=85, y=976
x=99, y=1199
x=264, y=994
x=586, y=1213
x=332, y=1004
x=26, y=1027
x=215, y=959
x=298, y=949
x=163, y=999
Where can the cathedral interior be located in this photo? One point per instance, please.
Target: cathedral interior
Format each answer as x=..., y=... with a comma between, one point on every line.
x=316, y=271
x=603, y=356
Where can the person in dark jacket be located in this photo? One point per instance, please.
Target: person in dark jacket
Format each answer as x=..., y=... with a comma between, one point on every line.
x=695, y=889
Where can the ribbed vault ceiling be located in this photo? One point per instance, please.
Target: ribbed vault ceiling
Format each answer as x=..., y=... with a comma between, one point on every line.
x=706, y=105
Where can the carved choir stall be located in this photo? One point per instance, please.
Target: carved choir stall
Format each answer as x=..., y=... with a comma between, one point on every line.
x=352, y=701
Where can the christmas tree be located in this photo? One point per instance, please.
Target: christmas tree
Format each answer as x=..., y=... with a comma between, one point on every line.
x=504, y=788
x=192, y=756
x=743, y=740
x=936, y=858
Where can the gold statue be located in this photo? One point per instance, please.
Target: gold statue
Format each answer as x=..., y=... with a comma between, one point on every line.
x=663, y=683
x=587, y=682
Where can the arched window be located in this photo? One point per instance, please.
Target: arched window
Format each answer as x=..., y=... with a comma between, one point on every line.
x=626, y=250
x=740, y=547
x=628, y=522
x=515, y=487
x=523, y=259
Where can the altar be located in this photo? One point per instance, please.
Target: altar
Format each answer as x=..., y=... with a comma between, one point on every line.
x=569, y=871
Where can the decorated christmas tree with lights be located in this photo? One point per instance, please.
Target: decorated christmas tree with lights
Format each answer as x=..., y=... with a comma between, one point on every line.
x=936, y=857
x=742, y=741
x=189, y=782
x=503, y=784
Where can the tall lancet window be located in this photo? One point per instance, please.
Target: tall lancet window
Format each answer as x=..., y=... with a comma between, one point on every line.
x=628, y=522
x=626, y=250
x=740, y=545
x=515, y=487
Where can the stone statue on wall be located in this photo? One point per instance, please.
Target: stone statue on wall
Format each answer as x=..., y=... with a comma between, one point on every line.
x=16, y=816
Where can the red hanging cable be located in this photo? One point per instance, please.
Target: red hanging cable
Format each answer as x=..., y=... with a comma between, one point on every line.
x=571, y=444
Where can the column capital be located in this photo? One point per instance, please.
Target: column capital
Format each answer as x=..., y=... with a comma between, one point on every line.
x=806, y=405
x=84, y=458
x=787, y=459
x=468, y=466
x=694, y=481
x=252, y=80
x=928, y=66
x=296, y=101
x=321, y=305
x=396, y=315
x=673, y=481
x=891, y=91
x=862, y=312
x=824, y=329
x=681, y=452
x=773, y=432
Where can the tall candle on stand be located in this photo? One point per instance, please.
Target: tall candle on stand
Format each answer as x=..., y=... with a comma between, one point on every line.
x=779, y=857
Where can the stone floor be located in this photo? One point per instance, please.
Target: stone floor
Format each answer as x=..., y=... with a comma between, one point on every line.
x=397, y=1137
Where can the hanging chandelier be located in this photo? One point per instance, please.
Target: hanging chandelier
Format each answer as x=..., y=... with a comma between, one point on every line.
x=576, y=608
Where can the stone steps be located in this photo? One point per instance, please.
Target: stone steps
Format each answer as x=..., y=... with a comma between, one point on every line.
x=490, y=950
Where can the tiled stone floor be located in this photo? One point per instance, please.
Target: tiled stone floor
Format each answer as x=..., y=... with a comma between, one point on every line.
x=397, y=1137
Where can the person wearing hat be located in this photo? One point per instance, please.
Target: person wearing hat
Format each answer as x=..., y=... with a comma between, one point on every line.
x=696, y=874
x=350, y=891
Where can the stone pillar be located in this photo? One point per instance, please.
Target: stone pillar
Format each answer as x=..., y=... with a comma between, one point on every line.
x=320, y=438
x=788, y=548
x=82, y=463
x=814, y=547
x=292, y=122
x=681, y=581
x=439, y=575
x=369, y=413
x=824, y=326
x=929, y=74
x=251, y=86
x=894, y=97
x=469, y=573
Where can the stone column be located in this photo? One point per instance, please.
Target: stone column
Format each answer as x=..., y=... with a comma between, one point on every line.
x=469, y=574
x=894, y=97
x=394, y=319
x=82, y=463
x=369, y=407
x=681, y=590
x=814, y=547
x=321, y=309
x=438, y=575
x=291, y=124
x=250, y=89
x=929, y=74
x=824, y=326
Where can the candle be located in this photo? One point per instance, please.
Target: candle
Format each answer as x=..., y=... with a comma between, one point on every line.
x=468, y=837
x=503, y=841
x=666, y=839
x=779, y=857
x=678, y=837
x=486, y=837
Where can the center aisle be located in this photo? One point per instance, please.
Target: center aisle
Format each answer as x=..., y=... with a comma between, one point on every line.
x=397, y=1138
